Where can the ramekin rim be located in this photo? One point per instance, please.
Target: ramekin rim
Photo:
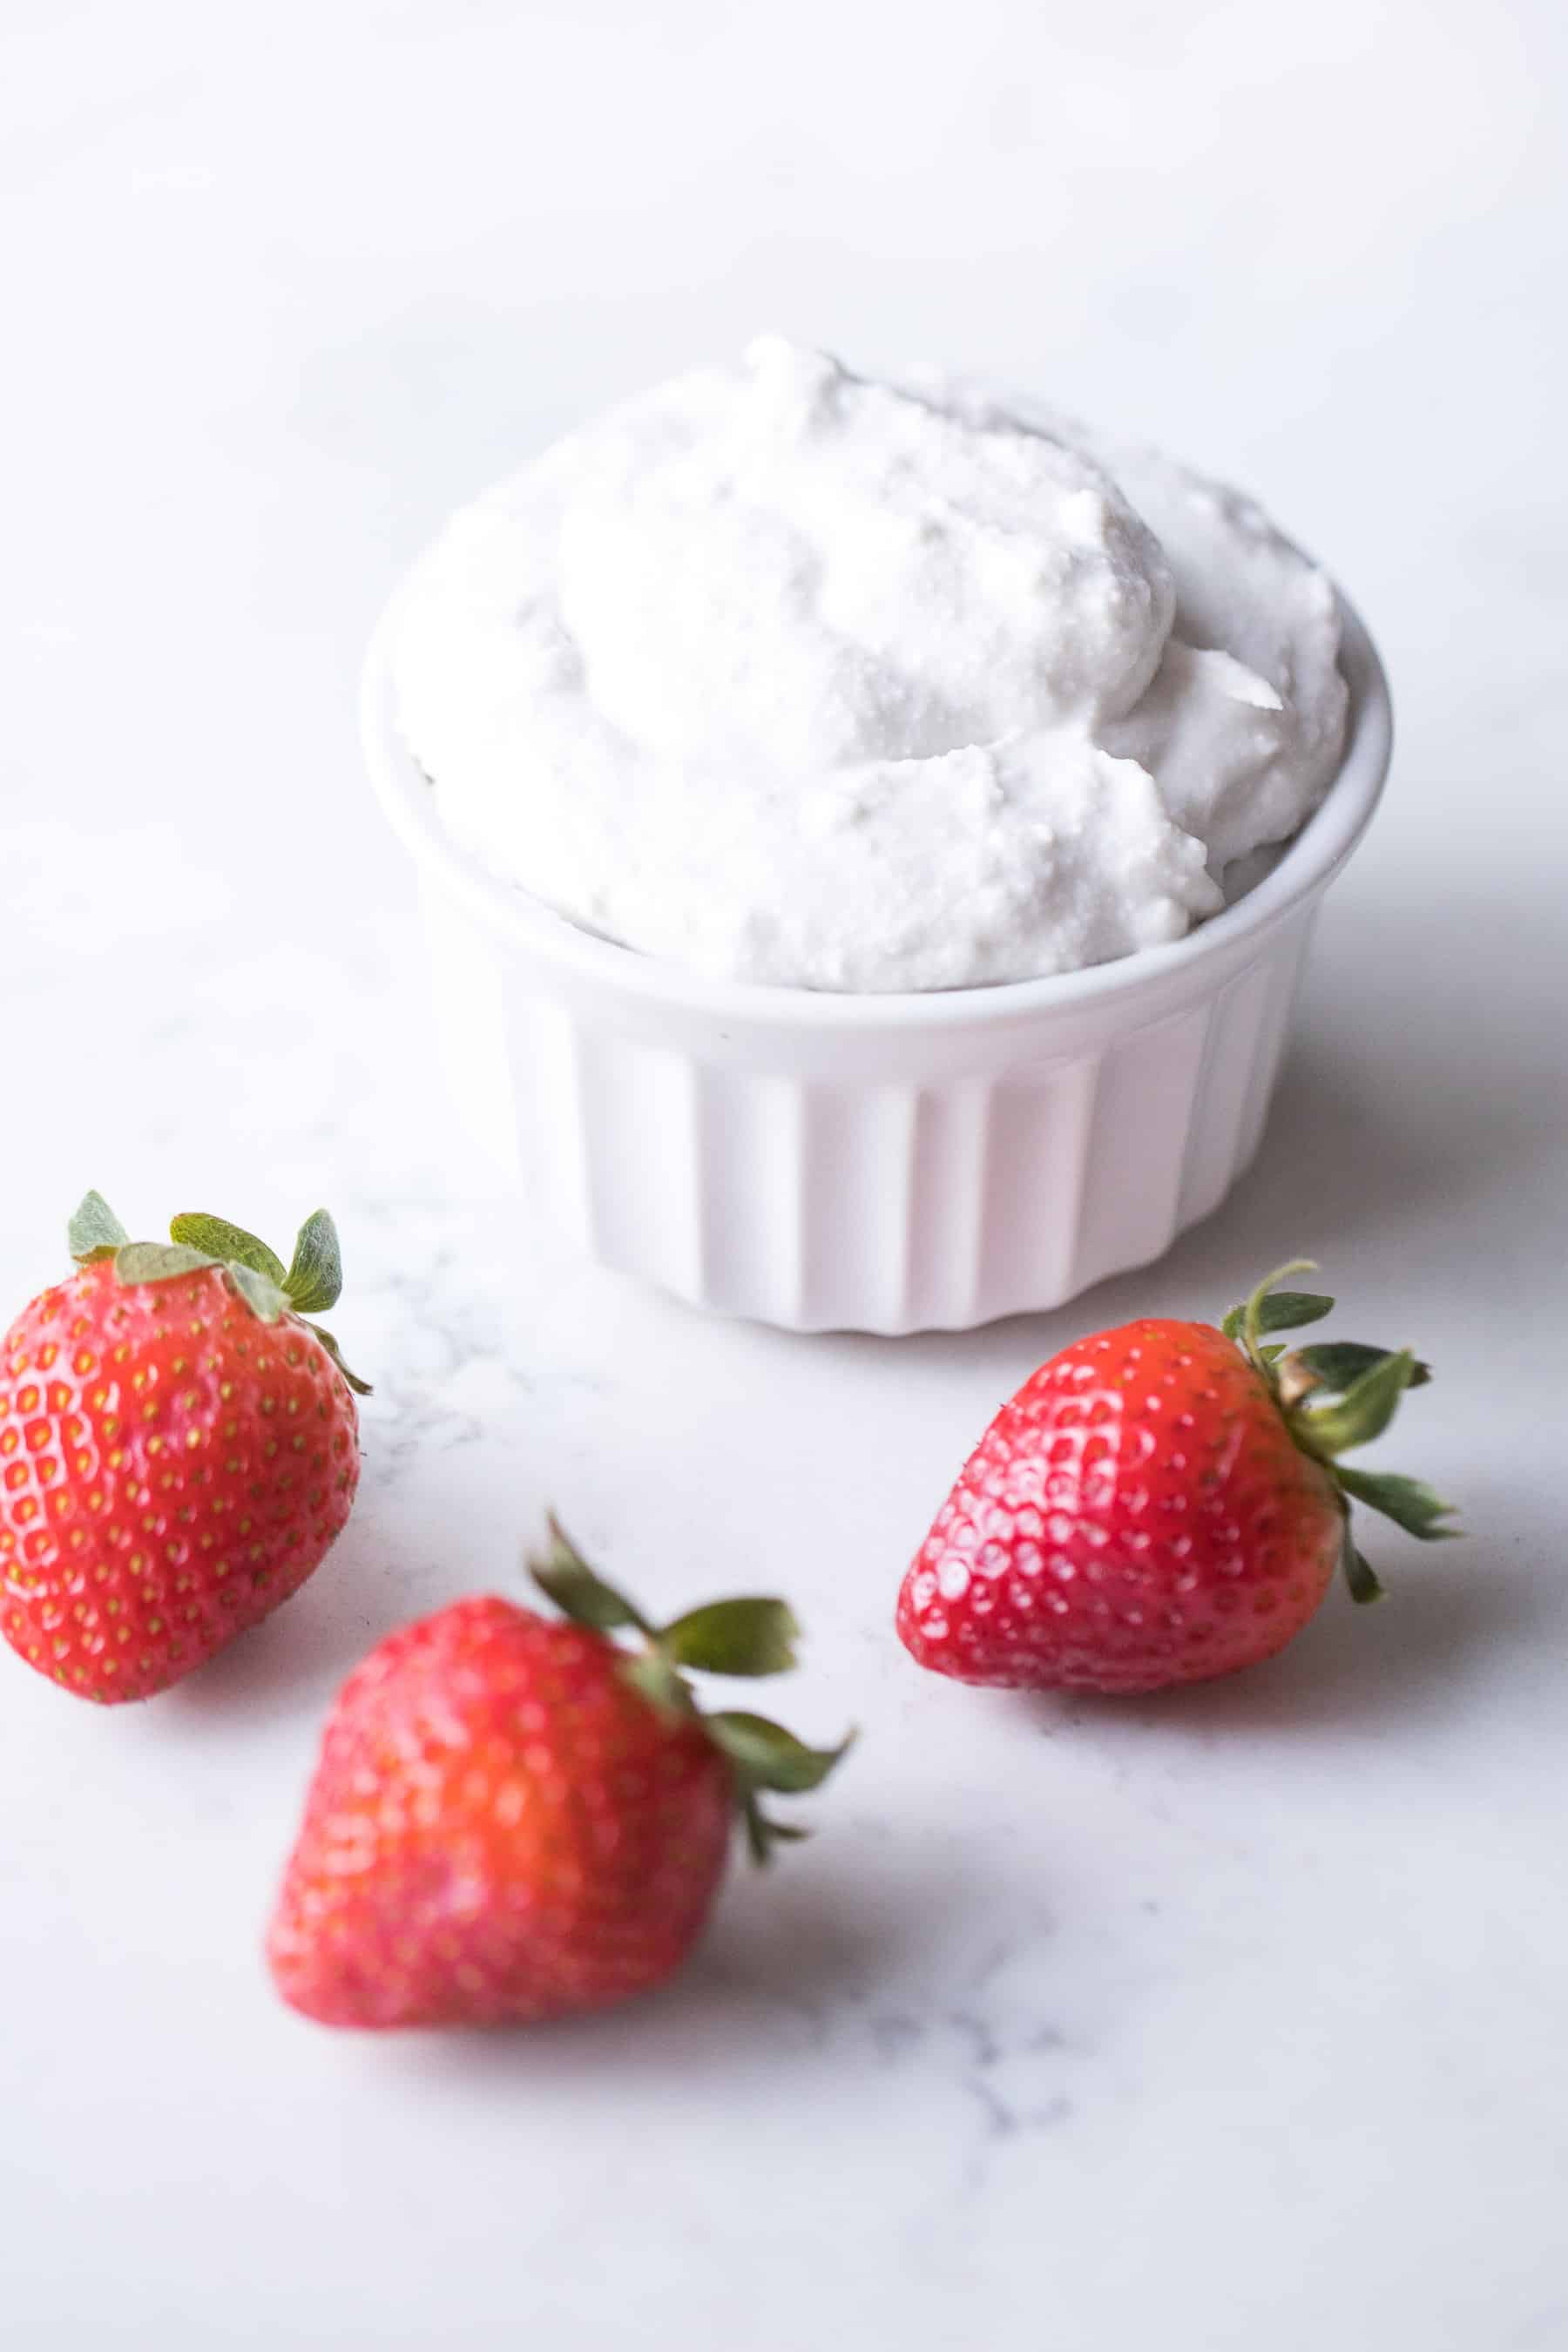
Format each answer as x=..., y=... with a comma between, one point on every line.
x=1321, y=848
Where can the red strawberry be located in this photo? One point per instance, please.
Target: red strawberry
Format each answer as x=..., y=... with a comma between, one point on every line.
x=1159, y=1504
x=514, y=1818
x=178, y=1448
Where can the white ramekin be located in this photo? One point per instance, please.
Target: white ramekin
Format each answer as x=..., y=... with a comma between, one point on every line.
x=871, y=1163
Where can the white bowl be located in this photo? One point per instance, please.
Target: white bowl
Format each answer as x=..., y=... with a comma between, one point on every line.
x=870, y=1163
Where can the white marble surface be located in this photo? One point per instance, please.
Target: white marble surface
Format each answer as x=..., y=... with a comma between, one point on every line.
x=1229, y=2021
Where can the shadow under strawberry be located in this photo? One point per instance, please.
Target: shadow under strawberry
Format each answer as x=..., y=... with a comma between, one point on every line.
x=304, y=1650
x=783, y=1967
x=1448, y=1630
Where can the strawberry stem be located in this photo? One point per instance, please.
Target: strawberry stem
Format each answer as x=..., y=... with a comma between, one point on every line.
x=1365, y=1385
x=747, y=1637
x=312, y=1283
x=1271, y=1309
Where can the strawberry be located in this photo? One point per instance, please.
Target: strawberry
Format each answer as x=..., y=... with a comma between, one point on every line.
x=515, y=1818
x=1159, y=1504
x=178, y=1448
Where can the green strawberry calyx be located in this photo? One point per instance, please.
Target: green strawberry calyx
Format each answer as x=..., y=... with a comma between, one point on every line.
x=749, y=1637
x=1334, y=1396
x=307, y=1286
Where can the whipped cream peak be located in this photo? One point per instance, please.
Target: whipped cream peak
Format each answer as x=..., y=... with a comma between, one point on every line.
x=799, y=677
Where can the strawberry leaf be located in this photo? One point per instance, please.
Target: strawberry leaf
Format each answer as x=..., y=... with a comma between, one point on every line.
x=733, y=1637
x=1286, y=1310
x=95, y=1231
x=753, y=1636
x=1410, y=1503
x=1336, y=1365
x=651, y=1673
x=157, y=1261
x=567, y=1578
x=1363, y=1412
x=217, y=1238
x=314, y=1281
x=584, y=1597
x=259, y=1291
x=762, y=1832
x=1361, y=1576
x=360, y=1388
x=1365, y=1386
x=767, y=1756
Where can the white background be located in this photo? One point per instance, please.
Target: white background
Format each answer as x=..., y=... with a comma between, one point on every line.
x=1234, y=2019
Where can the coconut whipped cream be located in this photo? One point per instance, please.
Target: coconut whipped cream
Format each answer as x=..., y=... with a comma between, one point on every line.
x=792, y=676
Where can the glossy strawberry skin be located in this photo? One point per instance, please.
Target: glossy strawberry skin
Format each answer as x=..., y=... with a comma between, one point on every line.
x=501, y=1830
x=1138, y=1515
x=171, y=1469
